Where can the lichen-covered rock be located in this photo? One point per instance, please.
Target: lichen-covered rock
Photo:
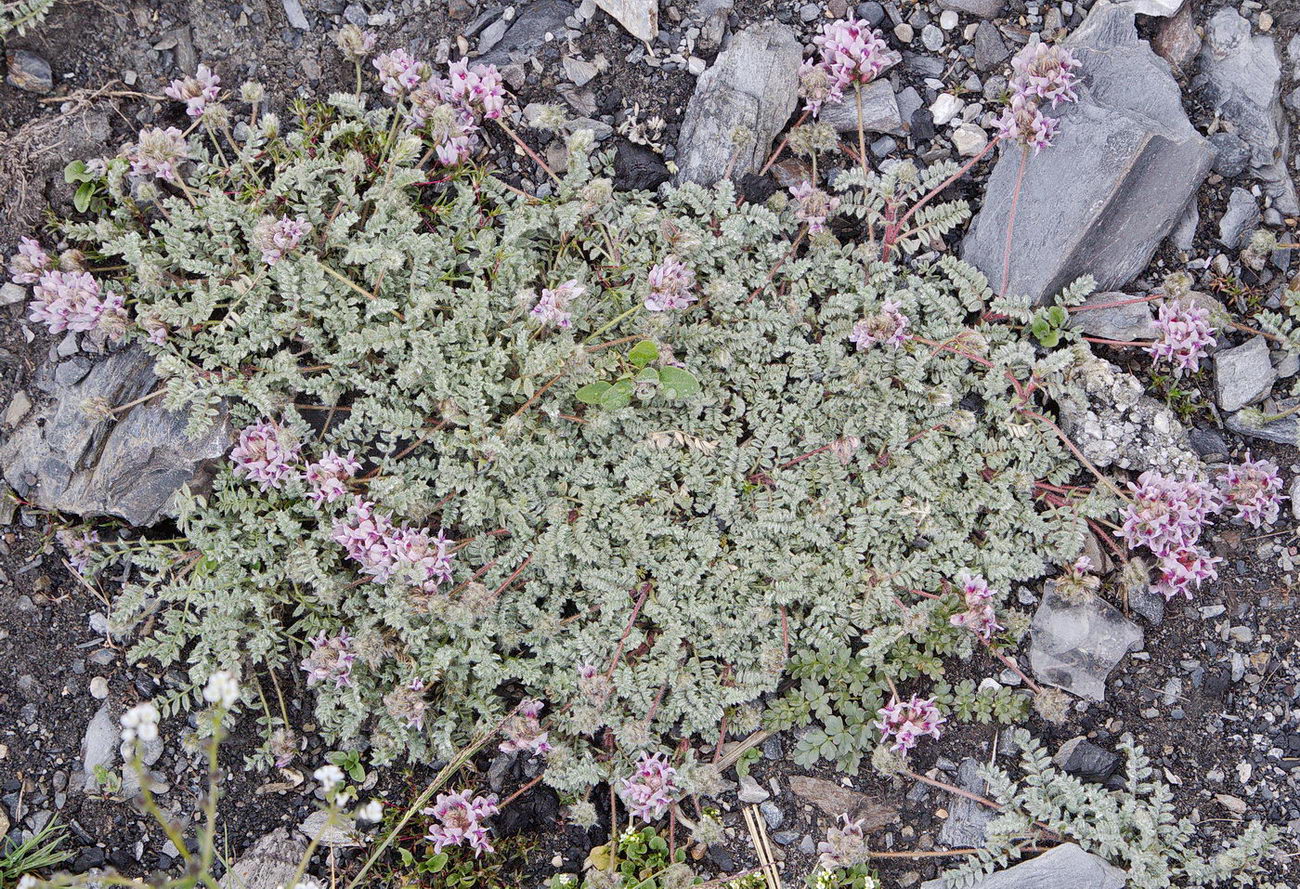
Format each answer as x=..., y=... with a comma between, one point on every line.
x=271, y=863
x=76, y=457
x=1075, y=642
x=1109, y=416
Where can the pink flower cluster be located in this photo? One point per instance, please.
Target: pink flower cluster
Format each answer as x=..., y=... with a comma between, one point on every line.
x=266, y=454
x=845, y=845
x=158, y=152
x=524, y=731
x=852, y=52
x=400, y=72
x=908, y=721
x=886, y=327
x=460, y=820
x=1167, y=517
x=72, y=301
x=651, y=789
x=1185, y=336
x=1041, y=73
x=813, y=206
x=1255, y=489
x=330, y=660
x=450, y=108
x=79, y=547
x=29, y=263
x=671, y=283
x=553, y=305
x=407, y=703
x=385, y=550
x=979, y=616
x=196, y=91
x=327, y=477
x=276, y=237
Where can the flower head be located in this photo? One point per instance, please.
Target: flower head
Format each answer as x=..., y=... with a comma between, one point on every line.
x=886, y=327
x=266, y=454
x=330, y=659
x=79, y=548
x=1166, y=513
x=553, y=305
x=651, y=789
x=68, y=301
x=1045, y=72
x=1185, y=335
x=1183, y=568
x=29, y=263
x=845, y=845
x=908, y=721
x=158, y=152
x=979, y=616
x=407, y=703
x=276, y=237
x=1024, y=122
x=399, y=72
x=671, y=283
x=371, y=813
x=330, y=777
x=853, y=52
x=477, y=87
x=354, y=42
x=140, y=722
x=523, y=730
x=460, y=820
x=813, y=206
x=816, y=86
x=327, y=477
x=222, y=689
x=1255, y=489
x=196, y=90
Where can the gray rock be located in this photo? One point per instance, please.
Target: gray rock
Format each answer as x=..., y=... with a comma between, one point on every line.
x=526, y=33
x=28, y=71
x=271, y=862
x=967, y=820
x=1101, y=199
x=1239, y=220
x=880, y=111
x=772, y=814
x=1075, y=644
x=1063, y=867
x=751, y=791
x=19, y=405
x=74, y=459
x=99, y=745
x=1241, y=77
x=1157, y=8
x=932, y=38
x=297, y=18
x=835, y=800
x=1233, y=154
x=1126, y=323
x=1107, y=413
x=739, y=105
x=985, y=9
x=1283, y=431
x=1177, y=41
x=1183, y=236
x=1147, y=603
x=640, y=18
x=1243, y=374
x=990, y=49
x=1084, y=759
x=969, y=140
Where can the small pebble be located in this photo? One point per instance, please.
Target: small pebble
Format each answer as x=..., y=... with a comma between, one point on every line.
x=903, y=31
x=947, y=20
x=932, y=38
x=99, y=688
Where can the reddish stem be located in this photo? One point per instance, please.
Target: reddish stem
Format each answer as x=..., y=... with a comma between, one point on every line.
x=636, y=610
x=1011, y=221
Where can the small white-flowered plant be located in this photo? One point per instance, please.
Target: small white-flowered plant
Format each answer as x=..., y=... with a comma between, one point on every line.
x=330, y=777
x=140, y=722
x=371, y=813
x=222, y=689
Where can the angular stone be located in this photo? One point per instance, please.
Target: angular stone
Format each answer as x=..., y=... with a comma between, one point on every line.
x=1243, y=374
x=1063, y=867
x=28, y=71
x=1075, y=644
x=985, y=9
x=1108, y=415
x=1156, y=8
x=739, y=105
x=1085, y=760
x=1231, y=154
x=340, y=834
x=1183, y=235
x=1128, y=322
x=751, y=791
x=297, y=18
x=272, y=862
x=1177, y=41
x=836, y=800
x=1283, y=431
x=1110, y=188
x=880, y=112
x=73, y=458
x=990, y=49
x=99, y=745
x=1241, y=77
x=527, y=32
x=1239, y=220
x=640, y=18
x=969, y=140
x=967, y=819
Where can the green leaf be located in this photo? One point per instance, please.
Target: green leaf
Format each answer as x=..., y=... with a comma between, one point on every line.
x=678, y=383
x=82, y=196
x=1058, y=316
x=436, y=863
x=617, y=396
x=592, y=393
x=648, y=375
x=643, y=353
x=75, y=172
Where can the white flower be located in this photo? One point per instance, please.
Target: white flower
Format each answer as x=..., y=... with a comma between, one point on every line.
x=26, y=882
x=141, y=721
x=329, y=776
x=372, y=812
x=222, y=689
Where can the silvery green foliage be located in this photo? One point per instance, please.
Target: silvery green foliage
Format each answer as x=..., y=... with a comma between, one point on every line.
x=1133, y=827
x=406, y=317
x=22, y=16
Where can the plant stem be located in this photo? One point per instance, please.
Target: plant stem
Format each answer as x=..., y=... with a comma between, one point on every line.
x=636, y=308
x=784, y=139
x=1114, y=304
x=951, y=789
x=532, y=154
x=1011, y=221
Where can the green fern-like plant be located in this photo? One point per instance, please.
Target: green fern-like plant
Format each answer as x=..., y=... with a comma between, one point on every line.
x=23, y=16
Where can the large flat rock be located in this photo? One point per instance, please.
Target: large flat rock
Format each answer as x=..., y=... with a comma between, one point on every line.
x=740, y=103
x=1076, y=642
x=1101, y=199
x=1064, y=867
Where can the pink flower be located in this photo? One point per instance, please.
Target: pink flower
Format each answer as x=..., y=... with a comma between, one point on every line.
x=69, y=301
x=478, y=88
x=813, y=206
x=460, y=821
x=79, y=548
x=1255, y=489
x=553, y=305
x=979, y=616
x=1045, y=72
x=1185, y=335
x=266, y=454
x=327, y=478
x=423, y=558
x=524, y=732
x=407, y=703
x=1167, y=514
x=156, y=330
x=29, y=263
x=651, y=789
x=886, y=327
x=449, y=127
x=196, y=91
x=671, y=283
x=399, y=73
x=845, y=845
x=816, y=87
x=1182, y=568
x=158, y=152
x=330, y=660
x=907, y=722
x=852, y=52
x=276, y=237
x=385, y=550
x=1024, y=122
